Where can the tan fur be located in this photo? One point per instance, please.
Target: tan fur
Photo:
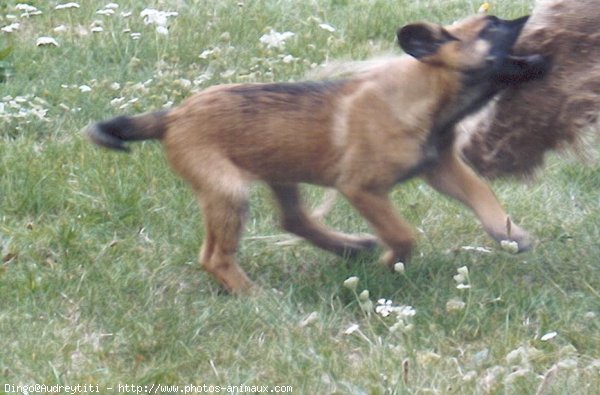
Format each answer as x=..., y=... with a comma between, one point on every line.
x=511, y=136
x=360, y=136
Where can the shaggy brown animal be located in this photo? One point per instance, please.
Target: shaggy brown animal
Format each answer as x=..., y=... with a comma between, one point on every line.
x=511, y=136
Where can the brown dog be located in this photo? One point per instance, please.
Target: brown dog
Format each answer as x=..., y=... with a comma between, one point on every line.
x=360, y=135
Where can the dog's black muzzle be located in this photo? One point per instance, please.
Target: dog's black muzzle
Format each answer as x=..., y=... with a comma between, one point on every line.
x=508, y=69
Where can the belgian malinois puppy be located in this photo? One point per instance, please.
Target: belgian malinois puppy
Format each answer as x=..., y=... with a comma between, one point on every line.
x=361, y=135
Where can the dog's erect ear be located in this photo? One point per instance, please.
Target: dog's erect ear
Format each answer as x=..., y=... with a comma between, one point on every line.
x=423, y=39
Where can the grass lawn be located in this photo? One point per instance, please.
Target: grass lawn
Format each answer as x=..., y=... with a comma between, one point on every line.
x=99, y=281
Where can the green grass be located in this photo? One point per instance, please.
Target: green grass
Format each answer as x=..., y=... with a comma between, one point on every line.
x=99, y=282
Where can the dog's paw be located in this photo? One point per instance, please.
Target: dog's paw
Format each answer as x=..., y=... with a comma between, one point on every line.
x=515, y=239
x=365, y=241
x=518, y=243
x=355, y=245
x=391, y=259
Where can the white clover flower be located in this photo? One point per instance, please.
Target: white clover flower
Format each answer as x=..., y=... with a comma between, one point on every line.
x=227, y=74
x=126, y=14
x=208, y=52
x=11, y=28
x=106, y=12
x=156, y=17
x=38, y=112
x=364, y=295
x=462, y=277
x=510, y=246
x=275, y=39
x=111, y=6
x=84, y=88
x=117, y=101
x=28, y=14
x=476, y=249
x=115, y=86
x=128, y=103
x=46, y=41
x=590, y=315
x=549, y=336
x=66, y=6
x=97, y=29
x=455, y=305
x=25, y=8
x=28, y=10
x=384, y=307
x=60, y=29
x=459, y=278
x=351, y=283
x=287, y=59
x=64, y=107
x=399, y=267
x=326, y=26
x=470, y=376
x=202, y=78
x=351, y=329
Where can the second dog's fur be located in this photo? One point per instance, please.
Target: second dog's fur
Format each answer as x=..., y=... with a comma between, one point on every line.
x=360, y=135
x=561, y=112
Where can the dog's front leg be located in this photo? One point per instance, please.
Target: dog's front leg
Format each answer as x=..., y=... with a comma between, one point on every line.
x=454, y=178
x=294, y=219
x=376, y=207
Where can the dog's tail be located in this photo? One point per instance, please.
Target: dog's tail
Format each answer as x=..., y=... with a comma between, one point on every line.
x=116, y=131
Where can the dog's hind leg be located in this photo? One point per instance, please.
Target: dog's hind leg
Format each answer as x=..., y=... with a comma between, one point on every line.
x=224, y=217
x=295, y=220
x=221, y=190
x=223, y=198
x=454, y=178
